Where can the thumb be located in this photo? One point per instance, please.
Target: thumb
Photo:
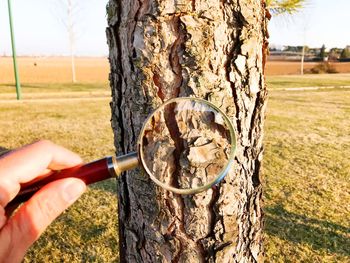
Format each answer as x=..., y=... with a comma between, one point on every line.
x=33, y=217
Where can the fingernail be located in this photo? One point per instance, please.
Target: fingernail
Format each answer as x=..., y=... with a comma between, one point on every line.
x=72, y=191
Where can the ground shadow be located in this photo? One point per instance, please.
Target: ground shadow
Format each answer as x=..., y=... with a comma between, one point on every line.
x=319, y=234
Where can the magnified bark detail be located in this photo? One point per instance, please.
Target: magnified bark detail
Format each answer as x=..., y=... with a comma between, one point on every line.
x=209, y=49
x=186, y=144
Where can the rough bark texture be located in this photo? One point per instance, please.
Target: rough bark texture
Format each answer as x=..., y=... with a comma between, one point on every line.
x=204, y=48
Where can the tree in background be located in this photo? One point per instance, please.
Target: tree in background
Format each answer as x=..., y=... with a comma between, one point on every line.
x=345, y=53
x=290, y=7
x=323, y=54
x=67, y=12
x=334, y=54
x=161, y=49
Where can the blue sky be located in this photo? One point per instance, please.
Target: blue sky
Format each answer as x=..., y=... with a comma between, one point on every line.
x=39, y=31
x=321, y=22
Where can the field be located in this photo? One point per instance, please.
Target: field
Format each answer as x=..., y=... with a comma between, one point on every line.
x=54, y=70
x=95, y=70
x=293, y=68
x=305, y=168
x=87, y=232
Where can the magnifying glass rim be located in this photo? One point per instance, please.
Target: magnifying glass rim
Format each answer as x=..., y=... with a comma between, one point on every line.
x=224, y=170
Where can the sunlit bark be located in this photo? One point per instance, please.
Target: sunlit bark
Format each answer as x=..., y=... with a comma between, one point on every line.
x=209, y=49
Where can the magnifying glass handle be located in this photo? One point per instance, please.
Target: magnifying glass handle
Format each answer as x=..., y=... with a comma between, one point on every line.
x=90, y=173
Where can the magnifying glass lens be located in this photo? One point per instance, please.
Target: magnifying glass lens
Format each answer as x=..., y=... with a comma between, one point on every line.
x=187, y=144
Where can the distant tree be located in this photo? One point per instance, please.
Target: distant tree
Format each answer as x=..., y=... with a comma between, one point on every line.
x=290, y=49
x=287, y=48
x=322, y=54
x=67, y=12
x=334, y=54
x=345, y=53
x=302, y=60
x=304, y=50
x=281, y=7
x=299, y=48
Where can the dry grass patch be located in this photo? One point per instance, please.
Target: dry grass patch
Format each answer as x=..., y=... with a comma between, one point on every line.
x=297, y=81
x=87, y=232
x=306, y=168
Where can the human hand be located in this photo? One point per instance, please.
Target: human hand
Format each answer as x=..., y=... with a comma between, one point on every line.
x=32, y=162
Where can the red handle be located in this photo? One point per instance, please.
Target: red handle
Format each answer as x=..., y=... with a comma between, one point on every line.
x=90, y=173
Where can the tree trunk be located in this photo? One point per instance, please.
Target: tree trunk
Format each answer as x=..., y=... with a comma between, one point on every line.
x=302, y=61
x=71, y=36
x=209, y=49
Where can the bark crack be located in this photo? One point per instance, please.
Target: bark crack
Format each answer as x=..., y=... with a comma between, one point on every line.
x=175, y=53
x=117, y=85
x=213, y=218
x=230, y=65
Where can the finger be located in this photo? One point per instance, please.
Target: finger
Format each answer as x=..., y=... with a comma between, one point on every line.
x=33, y=159
x=24, y=164
x=2, y=217
x=39, y=177
x=32, y=218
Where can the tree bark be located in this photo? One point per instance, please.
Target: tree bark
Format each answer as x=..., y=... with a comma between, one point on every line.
x=209, y=49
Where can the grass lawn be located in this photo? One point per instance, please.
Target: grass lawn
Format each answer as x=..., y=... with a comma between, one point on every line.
x=306, y=169
x=314, y=80
x=306, y=172
x=52, y=90
x=87, y=232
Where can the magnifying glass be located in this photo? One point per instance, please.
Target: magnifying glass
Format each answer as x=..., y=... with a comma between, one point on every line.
x=186, y=146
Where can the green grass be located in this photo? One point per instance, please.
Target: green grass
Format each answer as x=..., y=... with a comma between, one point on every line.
x=29, y=89
x=87, y=232
x=306, y=175
x=314, y=80
x=306, y=169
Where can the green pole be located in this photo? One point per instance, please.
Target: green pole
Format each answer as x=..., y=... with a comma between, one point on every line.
x=18, y=84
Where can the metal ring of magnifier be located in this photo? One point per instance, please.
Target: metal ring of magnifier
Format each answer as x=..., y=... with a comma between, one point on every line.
x=220, y=175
